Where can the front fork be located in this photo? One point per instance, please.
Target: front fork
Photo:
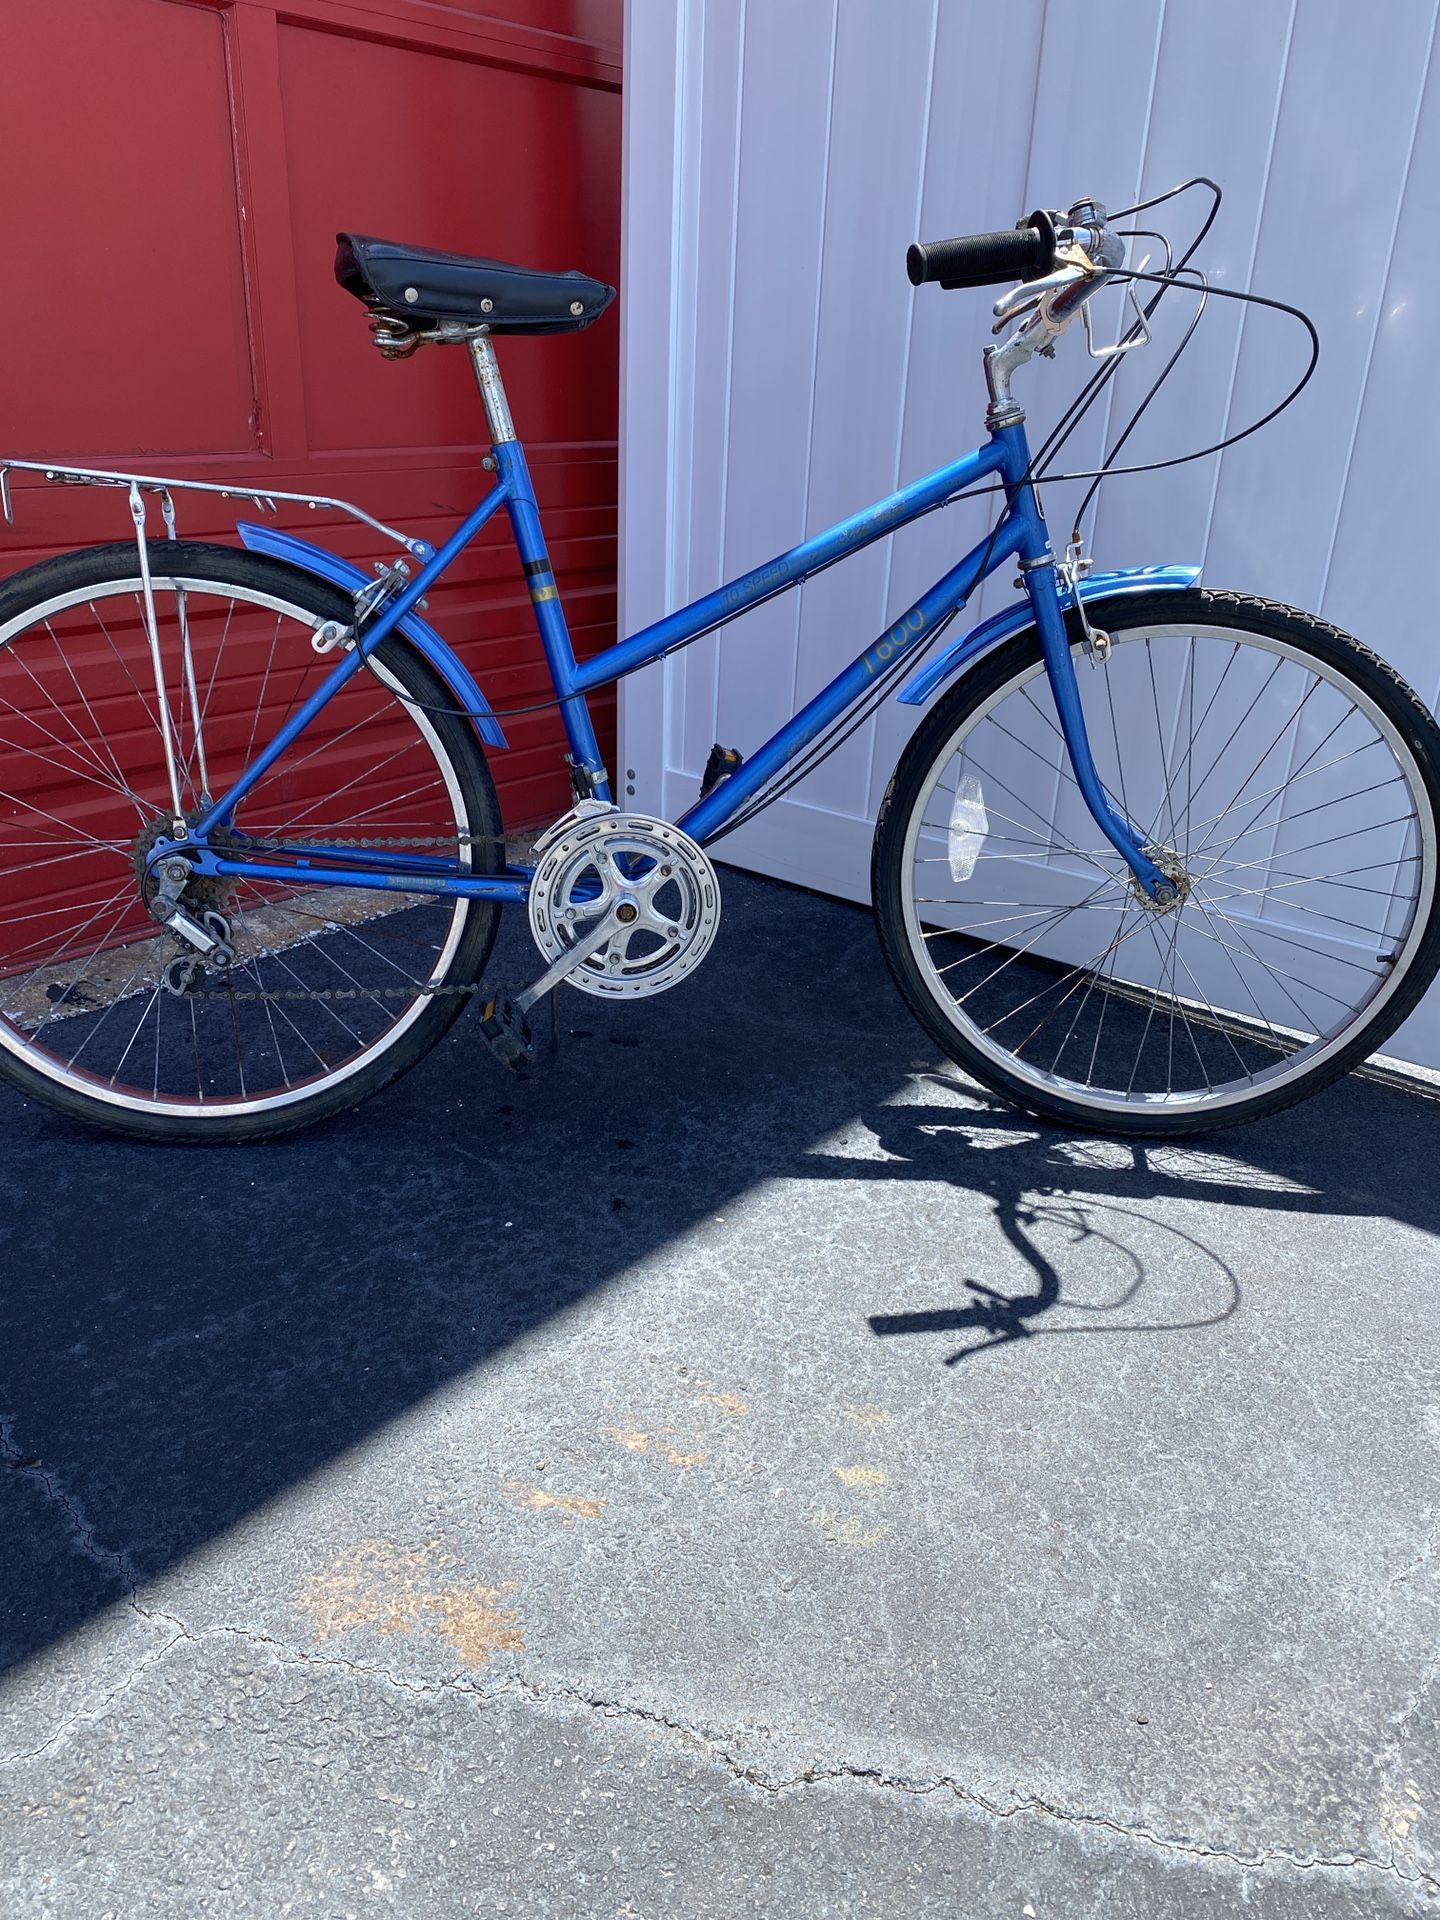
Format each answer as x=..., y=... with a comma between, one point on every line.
x=1042, y=588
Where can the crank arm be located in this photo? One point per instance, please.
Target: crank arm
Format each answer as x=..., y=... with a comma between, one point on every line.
x=569, y=962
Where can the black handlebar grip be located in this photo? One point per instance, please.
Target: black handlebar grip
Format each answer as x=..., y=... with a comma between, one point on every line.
x=985, y=259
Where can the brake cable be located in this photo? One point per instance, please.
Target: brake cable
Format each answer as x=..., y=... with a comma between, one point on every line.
x=1039, y=468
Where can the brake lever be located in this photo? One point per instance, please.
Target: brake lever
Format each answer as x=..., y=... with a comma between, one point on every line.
x=1030, y=293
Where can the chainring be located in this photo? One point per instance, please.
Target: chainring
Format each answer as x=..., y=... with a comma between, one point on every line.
x=657, y=880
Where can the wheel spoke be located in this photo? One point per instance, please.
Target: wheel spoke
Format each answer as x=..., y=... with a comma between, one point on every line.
x=310, y=1000
x=1210, y=1002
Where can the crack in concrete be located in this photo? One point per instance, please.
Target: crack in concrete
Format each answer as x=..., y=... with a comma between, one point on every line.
x=80, y=1533
x=1426, y=1555
x=79, y=1528
x=721, y=1747
x=514, y=1686
x=300, y=1655
x=1049, y=1809
x=716, y=1744
x=96, y=1712
x=1395, y=1773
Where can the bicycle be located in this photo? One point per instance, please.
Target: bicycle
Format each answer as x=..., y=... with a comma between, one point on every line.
x=254, y=859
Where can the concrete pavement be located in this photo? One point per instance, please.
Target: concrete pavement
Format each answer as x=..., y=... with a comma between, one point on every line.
x=742, y=1471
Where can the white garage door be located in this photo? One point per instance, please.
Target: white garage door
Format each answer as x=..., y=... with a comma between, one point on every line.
x=779, y=371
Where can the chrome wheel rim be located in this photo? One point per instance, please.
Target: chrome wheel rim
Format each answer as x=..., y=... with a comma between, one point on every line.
x=1272, y=1029
x=299, y=942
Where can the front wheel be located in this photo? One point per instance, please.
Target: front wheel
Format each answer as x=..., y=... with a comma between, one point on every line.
x=1283, y=776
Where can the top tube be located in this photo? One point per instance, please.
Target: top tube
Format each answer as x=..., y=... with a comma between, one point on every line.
x=787, y=569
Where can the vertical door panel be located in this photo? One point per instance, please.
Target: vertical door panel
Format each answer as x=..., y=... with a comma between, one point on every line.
x=126, y=326
x=170, y=240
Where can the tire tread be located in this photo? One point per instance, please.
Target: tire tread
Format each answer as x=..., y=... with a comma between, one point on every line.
x=1205, y=607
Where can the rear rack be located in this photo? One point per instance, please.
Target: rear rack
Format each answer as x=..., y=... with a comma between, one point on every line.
x=264, y=499
x=137, y=485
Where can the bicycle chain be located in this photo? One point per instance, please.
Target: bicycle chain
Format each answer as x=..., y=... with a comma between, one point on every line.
x=416, y=989
x=461, y=836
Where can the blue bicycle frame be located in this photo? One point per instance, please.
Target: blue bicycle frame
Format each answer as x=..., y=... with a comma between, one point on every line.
x=1021, y=534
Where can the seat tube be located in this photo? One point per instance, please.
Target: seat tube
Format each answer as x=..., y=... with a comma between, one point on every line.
x=520, y=504
x=1042, y=587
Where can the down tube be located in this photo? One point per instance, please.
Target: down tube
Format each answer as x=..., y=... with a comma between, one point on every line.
x=938, y=604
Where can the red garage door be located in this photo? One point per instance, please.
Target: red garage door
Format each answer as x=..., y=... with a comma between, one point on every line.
x=177, y=171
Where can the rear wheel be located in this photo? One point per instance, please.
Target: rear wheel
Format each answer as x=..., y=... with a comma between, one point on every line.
x=1285, y=778
x=331, y=993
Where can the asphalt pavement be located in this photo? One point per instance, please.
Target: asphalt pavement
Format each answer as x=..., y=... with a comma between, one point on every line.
x=742, y=1471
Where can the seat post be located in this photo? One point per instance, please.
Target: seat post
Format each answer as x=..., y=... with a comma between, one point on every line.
x=492, y=388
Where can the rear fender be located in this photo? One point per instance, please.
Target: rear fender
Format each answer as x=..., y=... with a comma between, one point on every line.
x=341, y=573
x=1098, y=586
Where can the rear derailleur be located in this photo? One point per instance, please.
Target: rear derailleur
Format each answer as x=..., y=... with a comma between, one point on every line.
x=187, y=972
x=205, y=939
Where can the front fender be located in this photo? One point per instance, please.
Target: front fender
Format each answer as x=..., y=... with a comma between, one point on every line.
x=1098, y=586
x=342, y=573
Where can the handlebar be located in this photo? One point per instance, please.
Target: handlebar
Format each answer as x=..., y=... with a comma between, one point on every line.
x=1059, y=260
x=1026, y=252
x=1039, y=248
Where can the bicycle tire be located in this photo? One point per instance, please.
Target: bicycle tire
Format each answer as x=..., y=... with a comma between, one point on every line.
x=456, y=748
x=1344, y=662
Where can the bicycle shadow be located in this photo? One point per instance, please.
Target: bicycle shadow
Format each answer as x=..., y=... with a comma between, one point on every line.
x=928, y=1144
x=1003, y=1317
x=188, y=1334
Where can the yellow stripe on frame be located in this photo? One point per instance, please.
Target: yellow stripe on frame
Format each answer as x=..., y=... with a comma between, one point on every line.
x=537, y=594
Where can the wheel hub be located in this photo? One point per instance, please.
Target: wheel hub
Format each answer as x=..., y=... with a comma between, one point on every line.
x=203, y=892
x=1173, y=868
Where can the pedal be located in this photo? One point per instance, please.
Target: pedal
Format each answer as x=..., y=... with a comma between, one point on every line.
x=723, y=761
x=507, y=1033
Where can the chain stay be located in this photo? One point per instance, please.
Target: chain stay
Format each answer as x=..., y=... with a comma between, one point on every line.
x=416, y=989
